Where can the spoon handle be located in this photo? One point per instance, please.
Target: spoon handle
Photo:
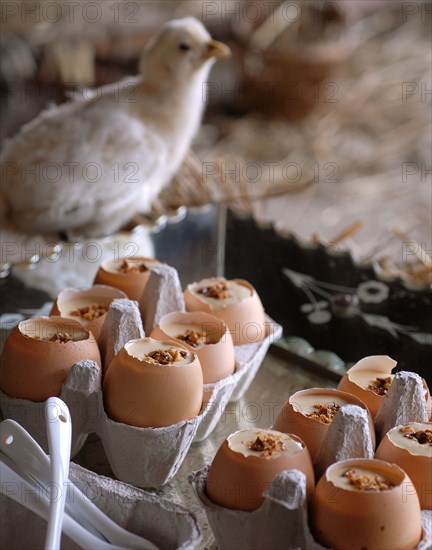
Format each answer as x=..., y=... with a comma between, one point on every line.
x=59, y=429
x=17, y=486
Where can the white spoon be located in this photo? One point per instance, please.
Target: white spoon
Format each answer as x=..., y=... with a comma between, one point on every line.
x=59, y=429
x=20, y=447
x=28, y=496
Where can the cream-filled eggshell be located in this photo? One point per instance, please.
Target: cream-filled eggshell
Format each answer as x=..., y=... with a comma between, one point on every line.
x=293, y=416
x=33, y=367
x=70, y=301
x=239, y=475
x=146, y=394
x=347, y=518
x=131, y=282
x=360, y=377
x=241, y=308
x=216, y=354
x=413, y=457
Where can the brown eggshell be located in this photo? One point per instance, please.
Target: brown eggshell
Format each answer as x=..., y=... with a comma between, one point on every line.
x=149, y=395
x=36, y=369
x=132, y=284
x=236, y=481
x=379, y=366
x=107, y=293
x=217, y=359
x=418, y=468
x=312, y=431
x=245, y=319
x=380, y=520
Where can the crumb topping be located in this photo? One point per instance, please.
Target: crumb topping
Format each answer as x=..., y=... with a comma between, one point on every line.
x=218, y=290
x=324, y=412
x=367, y=482
x=165, y=357
x=131, y=266
x=192, y=337
x=423, y=437
x=266, y=444
x=89, y=312
x=58, y=338
x=380, y=386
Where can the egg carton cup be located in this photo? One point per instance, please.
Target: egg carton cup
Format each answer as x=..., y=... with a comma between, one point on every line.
x=145, y=457
x=166, y=524
x=281, y=522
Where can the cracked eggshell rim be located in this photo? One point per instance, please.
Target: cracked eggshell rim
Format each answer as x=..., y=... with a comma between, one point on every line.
x=146, y=395
x=133, y=284
x=238, y=316
x=355, y=519
x=37, y=369
x=218, y=359
x=312, y=431
x=382, y=365
x=417, y=467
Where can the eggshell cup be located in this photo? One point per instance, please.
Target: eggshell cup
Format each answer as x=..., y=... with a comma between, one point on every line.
x=310, y=430
x=245, y=319
x=35, y=369
x=379, y=366
x=354, y=519
x=238, y=482
x=96, y=291
x=149, y=395
x=417, y=467
x=218, y=359
x=133, y=284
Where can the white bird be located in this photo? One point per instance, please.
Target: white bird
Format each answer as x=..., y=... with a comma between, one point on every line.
x=93, y=163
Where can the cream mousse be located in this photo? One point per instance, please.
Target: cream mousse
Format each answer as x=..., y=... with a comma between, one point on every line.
x=158, y=353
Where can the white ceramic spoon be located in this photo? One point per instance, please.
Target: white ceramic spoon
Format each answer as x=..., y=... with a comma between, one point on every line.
x=59, y=430
x=27, y=495
x=20, y=447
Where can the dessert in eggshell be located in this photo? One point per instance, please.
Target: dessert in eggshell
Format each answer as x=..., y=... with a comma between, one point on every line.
x=235, y=302
x=248, y=461
x=309, y=413
x=127, y=274
x=39, y=354
x=152, y=384
x=364, y=503
x=204, y=334
x=410, y=447
x=370, y=379
x=89, y=306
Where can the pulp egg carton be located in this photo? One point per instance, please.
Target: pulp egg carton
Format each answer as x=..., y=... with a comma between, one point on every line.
x=146, y=457
x=166, y=524
x=282, y=521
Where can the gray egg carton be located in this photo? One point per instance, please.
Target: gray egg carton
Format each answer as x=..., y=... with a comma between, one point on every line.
x=166, y=524
x=282, y=521
x=145, y=457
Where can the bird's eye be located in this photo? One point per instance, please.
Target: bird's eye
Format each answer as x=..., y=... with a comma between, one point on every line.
x=184, y=47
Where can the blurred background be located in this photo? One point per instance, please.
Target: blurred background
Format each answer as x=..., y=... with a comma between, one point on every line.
x=330, y=98
x=318, y=126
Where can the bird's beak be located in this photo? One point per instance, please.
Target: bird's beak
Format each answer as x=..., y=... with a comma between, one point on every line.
x=216, y=49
